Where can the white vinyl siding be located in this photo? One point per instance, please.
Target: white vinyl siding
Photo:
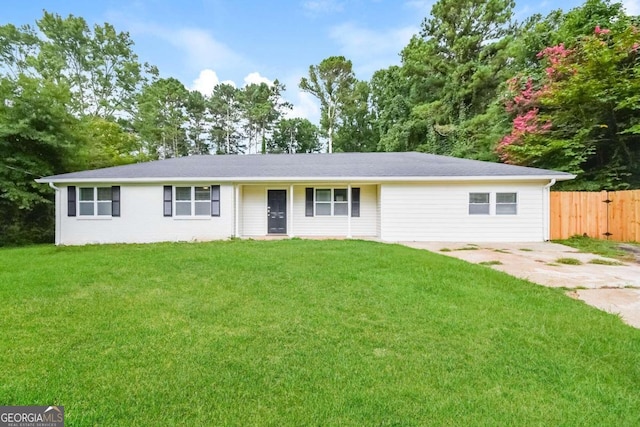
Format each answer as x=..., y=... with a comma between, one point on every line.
x=142, y=220
x=440, y=212
x=253, y=208
x=366, y=225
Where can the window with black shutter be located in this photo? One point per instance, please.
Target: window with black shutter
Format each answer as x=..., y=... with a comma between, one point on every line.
x=168, y=200
x=215, y=200
x=115, y=200
x=71, y=200
x=308, y=202
x=355, y=202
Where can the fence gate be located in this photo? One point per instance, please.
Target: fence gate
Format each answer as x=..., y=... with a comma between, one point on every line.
x=611, y=215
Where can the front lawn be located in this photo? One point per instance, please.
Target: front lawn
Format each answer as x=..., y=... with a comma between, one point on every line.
x=298, y=332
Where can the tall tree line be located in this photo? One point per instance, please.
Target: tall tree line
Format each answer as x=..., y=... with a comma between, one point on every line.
x=76, y=97
x=557, y=91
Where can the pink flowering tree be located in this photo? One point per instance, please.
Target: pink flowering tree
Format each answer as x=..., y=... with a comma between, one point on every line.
x=581, y=112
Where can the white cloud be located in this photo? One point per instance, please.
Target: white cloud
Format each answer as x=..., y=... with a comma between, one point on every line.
x=207, y=80
x=201, y=49
x=320, y=7
x=371, y=50
x=632, y=7
x=304, y=106
x=256, y=78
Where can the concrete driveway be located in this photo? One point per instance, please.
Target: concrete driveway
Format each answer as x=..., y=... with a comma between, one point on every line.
x=613, y=288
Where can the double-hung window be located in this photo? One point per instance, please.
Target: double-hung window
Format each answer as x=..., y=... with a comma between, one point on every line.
x=94, y=201
x=340, y=202
x=506, y=203
x=192, y=201
x=332, y=202
x=323, y=201
x=479, y=204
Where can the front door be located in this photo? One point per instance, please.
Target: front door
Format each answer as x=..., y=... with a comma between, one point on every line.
x=277, y=211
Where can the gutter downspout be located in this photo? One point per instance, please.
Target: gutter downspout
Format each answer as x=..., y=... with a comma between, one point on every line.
x=349, y=211
x=58, y=214
x=547, y=210
x=236, y=210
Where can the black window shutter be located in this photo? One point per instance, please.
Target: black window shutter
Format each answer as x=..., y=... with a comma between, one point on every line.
x=308, y=202
x=71, y=200
x=355, y=202
x=215, y=200
x=115, y=200
x=168, y=200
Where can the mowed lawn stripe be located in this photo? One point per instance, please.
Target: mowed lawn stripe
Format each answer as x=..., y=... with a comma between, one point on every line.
x=297, y=332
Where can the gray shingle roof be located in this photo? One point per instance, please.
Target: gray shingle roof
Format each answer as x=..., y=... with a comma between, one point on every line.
x=308, y=166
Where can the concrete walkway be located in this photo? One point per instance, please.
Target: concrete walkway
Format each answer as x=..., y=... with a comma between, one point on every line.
x=608, y=287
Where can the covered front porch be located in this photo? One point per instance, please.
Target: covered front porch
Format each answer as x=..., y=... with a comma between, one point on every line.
x=339, y=210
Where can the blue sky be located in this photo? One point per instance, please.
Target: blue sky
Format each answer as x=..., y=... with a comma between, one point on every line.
x=209, y=41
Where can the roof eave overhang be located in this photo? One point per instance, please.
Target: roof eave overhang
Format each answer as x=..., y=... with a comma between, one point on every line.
x=155, y=180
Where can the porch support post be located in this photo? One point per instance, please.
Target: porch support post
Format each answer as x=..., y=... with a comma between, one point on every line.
x=236, y=221
x=290, y=232
x=349, y=211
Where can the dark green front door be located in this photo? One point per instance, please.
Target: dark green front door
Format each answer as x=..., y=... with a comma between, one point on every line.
x=277, y=211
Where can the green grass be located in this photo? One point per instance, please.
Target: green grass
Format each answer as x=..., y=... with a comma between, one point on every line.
x=493, y=262
x=605, y=248
x=600, y=261
x=569, y=261
x=469, y=247
x=293, y=333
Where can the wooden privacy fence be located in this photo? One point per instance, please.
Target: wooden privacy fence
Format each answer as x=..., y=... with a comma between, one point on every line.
x=613, y=215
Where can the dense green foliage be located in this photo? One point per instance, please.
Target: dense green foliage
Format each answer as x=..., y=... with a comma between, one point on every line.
x=583, y=114
x=558, y=92
x=360, y=334
x=332, y=82
x=36, y=139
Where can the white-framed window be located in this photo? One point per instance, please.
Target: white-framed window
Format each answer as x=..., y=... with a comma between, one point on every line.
x=94, y=201
x=340, y=202
x=323, y=201
x=193, y=201
x=331, y=202
x=479, y=204
x=506, y=203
